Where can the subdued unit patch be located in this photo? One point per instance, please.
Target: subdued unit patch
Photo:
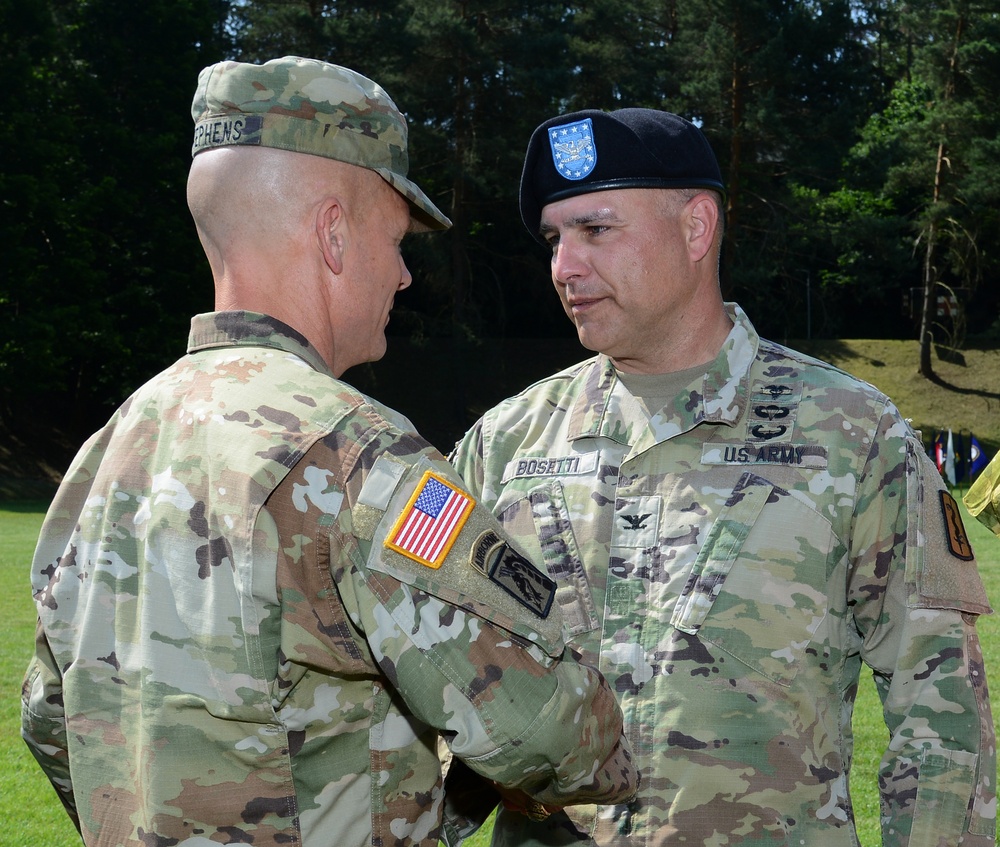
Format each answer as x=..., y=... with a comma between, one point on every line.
x=958, y=539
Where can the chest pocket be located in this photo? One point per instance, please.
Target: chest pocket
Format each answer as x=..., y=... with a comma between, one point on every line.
x=544, y=515
x=758, y=587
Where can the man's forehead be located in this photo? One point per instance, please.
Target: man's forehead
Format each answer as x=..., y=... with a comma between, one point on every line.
x=395, y=210
x=584, y=209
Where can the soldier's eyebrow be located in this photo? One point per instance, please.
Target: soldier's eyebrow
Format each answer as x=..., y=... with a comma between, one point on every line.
x=597, y=216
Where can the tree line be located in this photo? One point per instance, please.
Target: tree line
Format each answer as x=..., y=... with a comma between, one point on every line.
x=858, y=140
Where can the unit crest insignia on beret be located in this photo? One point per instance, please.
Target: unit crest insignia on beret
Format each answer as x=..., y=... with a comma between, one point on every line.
x=573, y=150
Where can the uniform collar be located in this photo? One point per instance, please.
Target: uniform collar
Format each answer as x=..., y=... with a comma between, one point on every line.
x=251, y=329
x=605, y=408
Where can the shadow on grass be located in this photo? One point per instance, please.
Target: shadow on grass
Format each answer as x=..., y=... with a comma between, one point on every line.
x=938, y=380
x=829, y=349
x=25, y=495
x=25, y=507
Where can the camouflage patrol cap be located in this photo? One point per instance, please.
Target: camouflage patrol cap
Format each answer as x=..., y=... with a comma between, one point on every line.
x=309, y=106
x=591, y=150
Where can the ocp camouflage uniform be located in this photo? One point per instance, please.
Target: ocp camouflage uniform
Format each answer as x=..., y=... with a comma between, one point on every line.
x=729, y=563
x=228, y=650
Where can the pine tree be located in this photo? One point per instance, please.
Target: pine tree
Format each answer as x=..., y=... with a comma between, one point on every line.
x=105, y=260
x=777, y=86
x=930, y=156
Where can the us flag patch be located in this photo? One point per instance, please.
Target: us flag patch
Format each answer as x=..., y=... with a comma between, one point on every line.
x=431, y=521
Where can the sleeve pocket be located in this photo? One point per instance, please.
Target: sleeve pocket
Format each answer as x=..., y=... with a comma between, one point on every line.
x=562, y=559
x=941, y=566
x=542, y=516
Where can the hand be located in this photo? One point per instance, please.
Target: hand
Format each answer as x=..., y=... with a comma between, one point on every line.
x=515, y=800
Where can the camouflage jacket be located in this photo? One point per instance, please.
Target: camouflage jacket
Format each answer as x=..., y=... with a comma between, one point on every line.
x=729, y=563
x=263, y=599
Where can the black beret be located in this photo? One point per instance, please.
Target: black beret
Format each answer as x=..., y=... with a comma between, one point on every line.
x=593, y=150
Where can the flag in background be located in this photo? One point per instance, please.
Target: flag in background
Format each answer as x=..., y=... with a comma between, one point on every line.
x=958, y=460
x=961, y=457
x=939, y=449
x=949, y=460
x=977, y=457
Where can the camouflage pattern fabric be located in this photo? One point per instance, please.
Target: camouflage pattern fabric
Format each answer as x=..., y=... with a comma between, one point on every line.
x=314, y=107
x=983, y=497
x=229, y=652
x=729, y=563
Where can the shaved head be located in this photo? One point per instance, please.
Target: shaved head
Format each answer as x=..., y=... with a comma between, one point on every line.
x=255, y=199
x=312, y=241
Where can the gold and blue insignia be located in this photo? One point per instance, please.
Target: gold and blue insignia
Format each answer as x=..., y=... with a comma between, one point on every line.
x=507, y=568
x=958, y=539
x=573, y=151
x=431, y=521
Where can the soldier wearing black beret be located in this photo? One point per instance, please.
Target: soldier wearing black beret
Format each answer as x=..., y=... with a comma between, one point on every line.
x=734, y=530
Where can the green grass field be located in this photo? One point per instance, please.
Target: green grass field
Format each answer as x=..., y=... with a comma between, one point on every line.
x=31, y=816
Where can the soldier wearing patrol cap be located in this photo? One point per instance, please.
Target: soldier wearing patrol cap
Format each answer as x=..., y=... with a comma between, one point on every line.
x=263, y=599
x=733, y=529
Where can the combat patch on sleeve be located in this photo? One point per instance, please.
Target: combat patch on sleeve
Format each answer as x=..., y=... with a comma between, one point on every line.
x=508, y=569
x=431, y=521
x=958, y=540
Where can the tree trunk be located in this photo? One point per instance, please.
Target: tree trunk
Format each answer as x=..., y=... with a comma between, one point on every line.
x=457, y=234
x=930, y=296
x=930, y=272
x=733, y=198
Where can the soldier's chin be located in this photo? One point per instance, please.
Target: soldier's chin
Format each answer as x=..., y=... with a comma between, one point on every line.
x=379, y=347
x=376, y=350
x=587, y=340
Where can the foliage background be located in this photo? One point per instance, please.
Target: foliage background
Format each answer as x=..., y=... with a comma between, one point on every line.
x=858, y=140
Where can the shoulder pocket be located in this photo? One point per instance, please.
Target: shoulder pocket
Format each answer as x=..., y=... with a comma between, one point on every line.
x=939, y=560
x=313, y=612
x=543, y=515
x=478, y=572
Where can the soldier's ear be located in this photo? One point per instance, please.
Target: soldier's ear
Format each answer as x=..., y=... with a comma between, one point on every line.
x=331, y=233
x=703, y=220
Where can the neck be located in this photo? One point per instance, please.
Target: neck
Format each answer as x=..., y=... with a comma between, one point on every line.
x=287, y=296
x=696, y=339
